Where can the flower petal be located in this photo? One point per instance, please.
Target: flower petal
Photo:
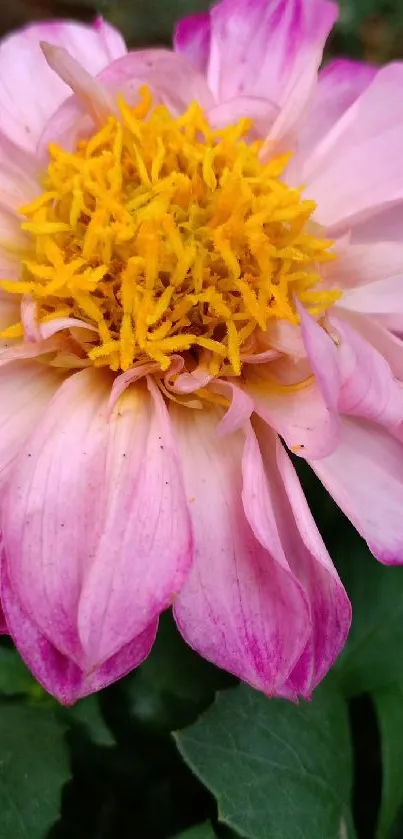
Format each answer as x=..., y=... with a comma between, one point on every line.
x=304, y=413
x=145, y=550
x=240, y=606
x=29, y=92
x=388, y=345
x=273, y=494
x=192, y=39
x=94, y=522
x=56, y=673
x=26, y=389
x=355, y=171
x=171, y=78
x=270, y=50
x=300, y=415
x=368, y=387
x=340, y=83
x=365, y=477
x=322, y=353
x=18, y=169
x=262, y=113
x=362, y=263
x=383, y=297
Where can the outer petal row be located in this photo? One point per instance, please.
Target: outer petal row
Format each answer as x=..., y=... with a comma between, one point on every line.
x=96, y=533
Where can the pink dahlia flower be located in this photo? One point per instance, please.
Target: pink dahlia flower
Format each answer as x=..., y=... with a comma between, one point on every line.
x=201, y=262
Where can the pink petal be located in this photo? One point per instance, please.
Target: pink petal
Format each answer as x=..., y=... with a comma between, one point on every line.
x=192, y=39
x=145, y=550
x=29, y=92
x=365, y=477
x=94, y=521
x=239, y=411
x=362, y=263
x=240, y=607
x=322, y=353
x=12, y=242
x=300, y=416
x=269, y=50
x=340, y=83
x=304, y=415
x=26, y=389
x=3, y=623
x=272, y=493
x=262, y=113
x=56, y=673
x=355, y=171
x=171, y=78
x=382, y=297
x=18, y=171
x=368, y=387
x=388, y=345
x=9, y=314
x=96, y=100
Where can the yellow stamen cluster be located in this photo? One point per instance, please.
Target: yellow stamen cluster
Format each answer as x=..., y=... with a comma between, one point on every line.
x=170, y=237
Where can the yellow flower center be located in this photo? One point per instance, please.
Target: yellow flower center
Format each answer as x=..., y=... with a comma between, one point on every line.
x=169, y=237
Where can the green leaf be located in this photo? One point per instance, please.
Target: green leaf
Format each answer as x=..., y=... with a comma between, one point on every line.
x=389, y=706
x=174, y=684
x=87, y=714
x=202, y=831
x=277, y=770
x=33, y=768
x=372, y=657
x=15, y=678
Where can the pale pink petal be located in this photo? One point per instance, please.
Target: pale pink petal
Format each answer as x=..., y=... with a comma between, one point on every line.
x=18, y=171
x=91, y=94
x=192, y=39
x=285, y=337
x=9, y=314
x=240, y=409
x=122, y=382
x=95, y=527
x=386, y=344
x=382, y=297
x=299, y=415
x=240, y=607
x=262, y=113
x=189, y=382
x=340, y=83
x=56, y=673
x=361, y=263
x=171, y=78
x=365, y=477
x=13, y=350
x=323, y=357
x=304, y=413
x=145, y=549
x=273, y=498
x=51, y=327
x=12, y=242
x=355, y=171
x=368, y=387
x=271, y=50
x=29, y=91
x=26, y=389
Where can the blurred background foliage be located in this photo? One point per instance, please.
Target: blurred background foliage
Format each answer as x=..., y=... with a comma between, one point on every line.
x=179, y=749
x=372, y=29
